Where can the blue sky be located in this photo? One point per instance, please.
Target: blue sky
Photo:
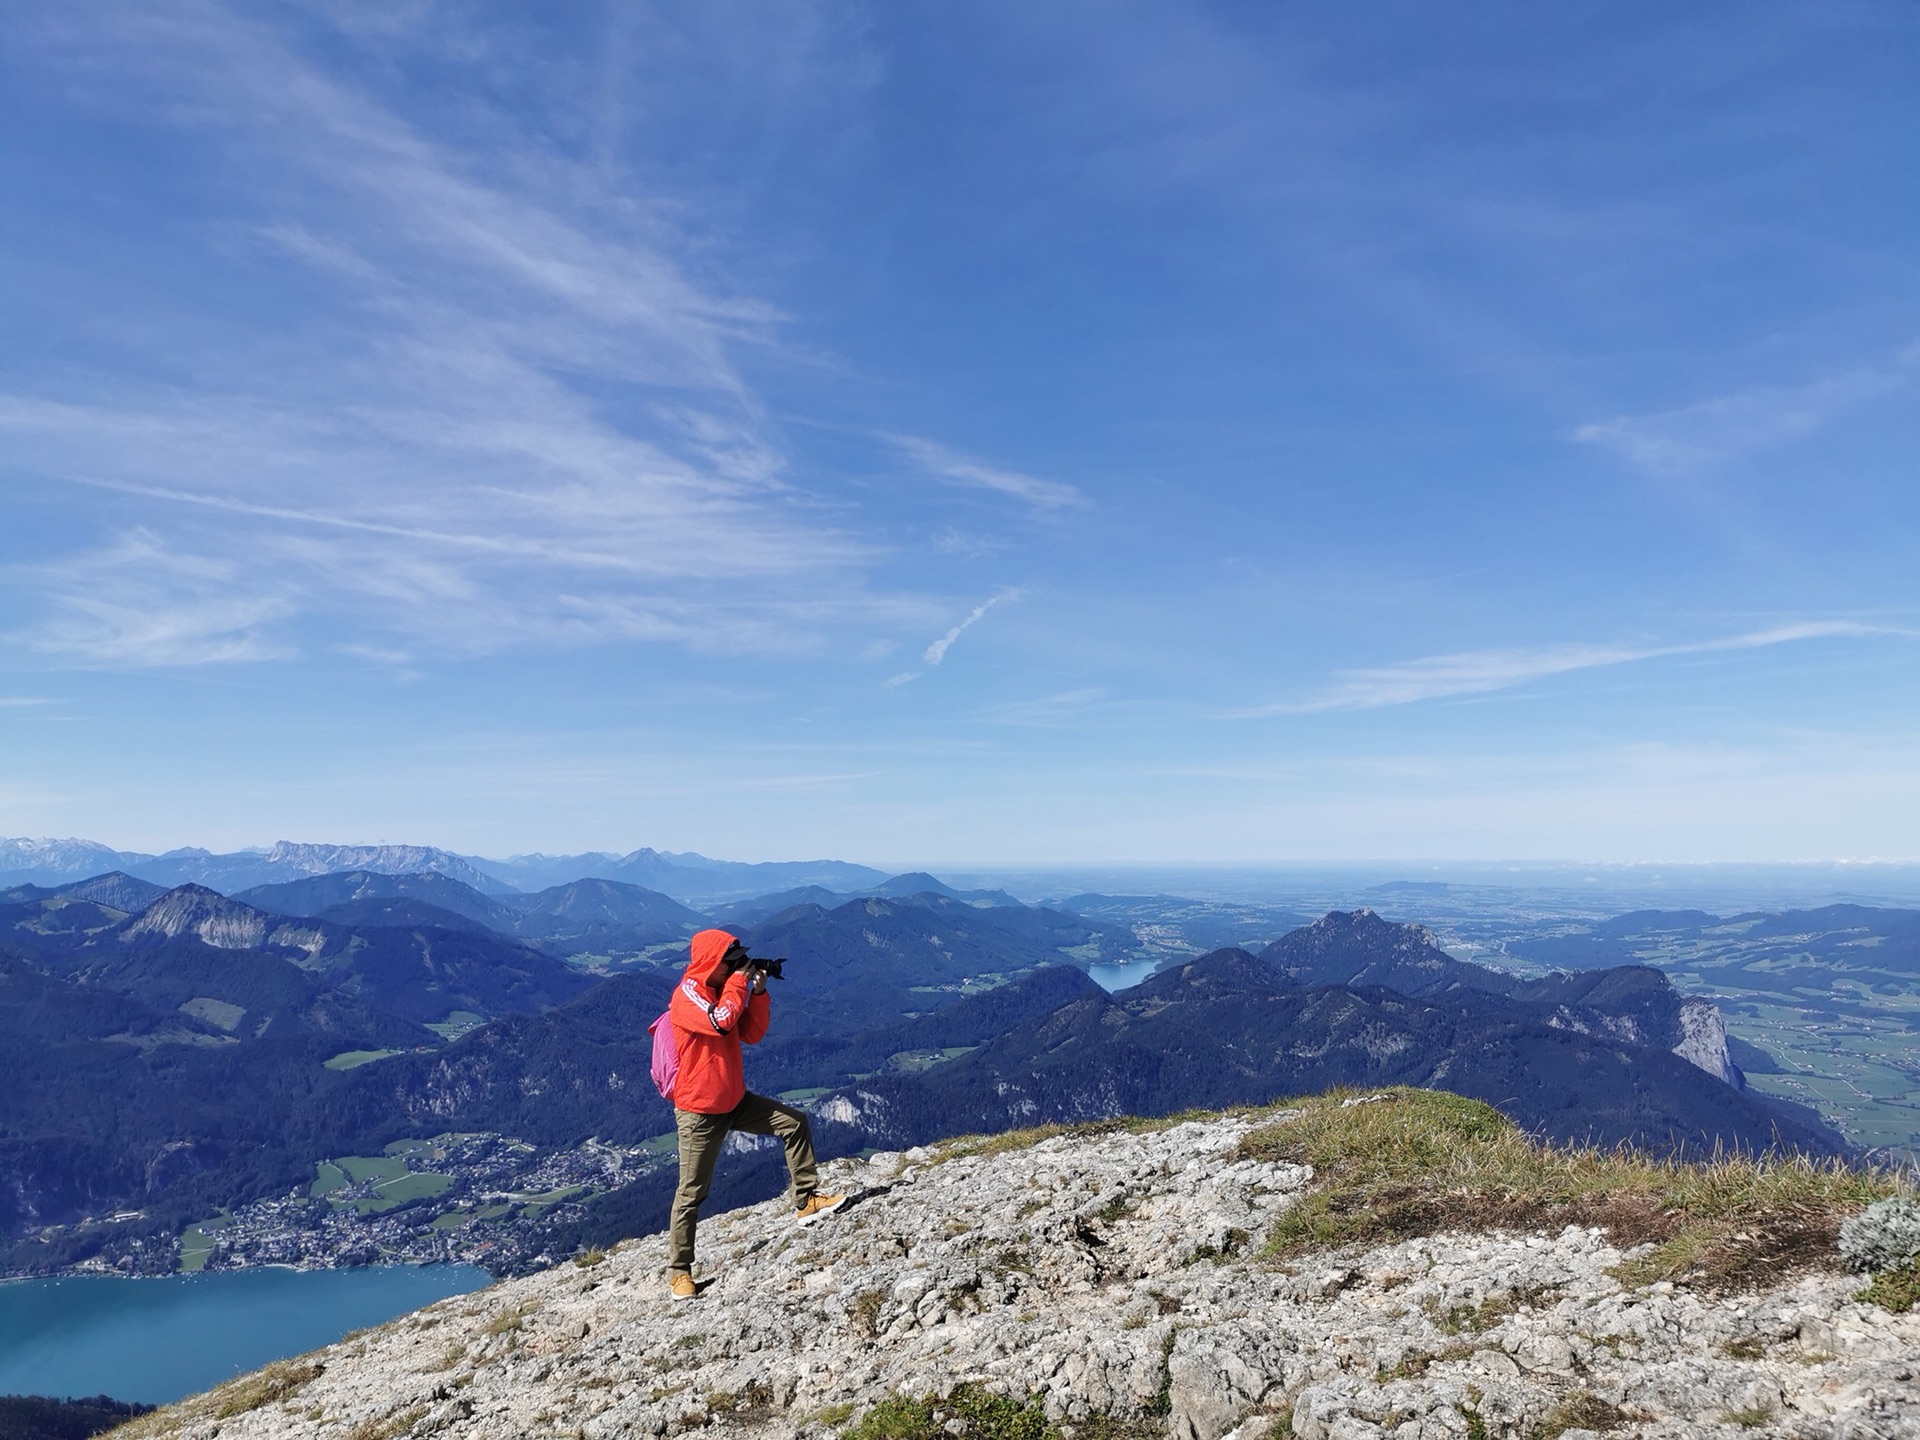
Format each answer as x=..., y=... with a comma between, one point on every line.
x=992, y=433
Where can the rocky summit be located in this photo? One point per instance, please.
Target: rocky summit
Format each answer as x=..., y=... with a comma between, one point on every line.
x=1112, y=1283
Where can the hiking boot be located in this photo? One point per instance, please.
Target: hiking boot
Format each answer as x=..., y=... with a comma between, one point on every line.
x=816, y=1205
x=683, y=1287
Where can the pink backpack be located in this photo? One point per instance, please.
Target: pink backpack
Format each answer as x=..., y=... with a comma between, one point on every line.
x=666, y=1055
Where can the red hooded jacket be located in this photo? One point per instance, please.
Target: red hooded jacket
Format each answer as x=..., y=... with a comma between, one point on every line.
x=708, y=1026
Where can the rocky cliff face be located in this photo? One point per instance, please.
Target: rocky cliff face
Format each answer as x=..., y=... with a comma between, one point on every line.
x=213, y=919
x=207, y=915
x=1703, y=1041
x=1112, y=1276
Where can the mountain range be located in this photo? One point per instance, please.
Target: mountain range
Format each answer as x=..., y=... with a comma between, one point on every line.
x=685, y=876
x=1606, y=1057
x=582, y=920
x=177, y=1050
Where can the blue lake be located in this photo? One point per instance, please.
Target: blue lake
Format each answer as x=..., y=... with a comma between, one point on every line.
x=1122, y=977
x=157, y=1340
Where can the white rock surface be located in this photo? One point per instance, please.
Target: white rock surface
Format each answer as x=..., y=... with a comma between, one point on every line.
x=1102, y=1274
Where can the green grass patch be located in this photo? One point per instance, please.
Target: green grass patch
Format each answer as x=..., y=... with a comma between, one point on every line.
x=1402, y=1163
x=805, y=1095
x=329, y=1178
x=553, y=1197
x=914, y=1062
x=354, y=1059
x=984, y=1416
x=452, y=1220
x=199, y=1240
x=1895, y=1290
x=492, y=1212
x=392, y=1194
x=457, y=1024
x=372, y=1169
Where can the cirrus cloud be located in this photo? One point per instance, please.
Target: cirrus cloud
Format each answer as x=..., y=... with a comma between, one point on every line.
x=1478, y=672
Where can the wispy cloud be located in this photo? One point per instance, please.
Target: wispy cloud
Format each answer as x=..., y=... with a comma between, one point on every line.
x=1727, y=427
x=139, y=602
x=1062, y=707
x=950, y=465
x=937, y=651
x=1478, y=672
x=437, y=467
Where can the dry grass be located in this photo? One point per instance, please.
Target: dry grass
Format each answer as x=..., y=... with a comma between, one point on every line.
x=266, y=1386
x=1403, y=1163
x=159, y=1424
x=867, y=1306
x=508, y=1321
x=389, y=1427
x=1582, y=1410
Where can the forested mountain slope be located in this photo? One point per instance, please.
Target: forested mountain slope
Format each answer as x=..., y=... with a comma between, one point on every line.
x=1231, y=1028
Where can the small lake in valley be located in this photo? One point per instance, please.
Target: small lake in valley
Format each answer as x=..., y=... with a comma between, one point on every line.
x=157, y=1340
x=1122, y=977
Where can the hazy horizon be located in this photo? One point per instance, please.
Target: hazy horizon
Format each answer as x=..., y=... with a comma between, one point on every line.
x=1570, y=886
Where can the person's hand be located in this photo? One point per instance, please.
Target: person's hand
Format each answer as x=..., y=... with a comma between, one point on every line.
x=756, y=982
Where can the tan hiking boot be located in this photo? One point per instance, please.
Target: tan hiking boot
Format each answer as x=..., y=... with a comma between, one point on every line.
x=816, y=1205
x=683, y=1287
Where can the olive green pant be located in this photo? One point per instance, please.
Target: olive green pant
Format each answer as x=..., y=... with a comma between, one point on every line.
x=701, y=1140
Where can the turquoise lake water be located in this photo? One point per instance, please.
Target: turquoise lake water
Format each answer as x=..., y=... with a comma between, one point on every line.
x=156, y=1340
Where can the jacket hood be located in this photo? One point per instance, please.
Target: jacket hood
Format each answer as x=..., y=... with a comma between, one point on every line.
x=708, y=948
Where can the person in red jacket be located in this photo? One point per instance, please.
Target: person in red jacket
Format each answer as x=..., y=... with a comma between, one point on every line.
x=721, y=1001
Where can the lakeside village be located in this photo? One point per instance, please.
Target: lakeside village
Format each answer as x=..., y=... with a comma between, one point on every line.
x=482, y=1199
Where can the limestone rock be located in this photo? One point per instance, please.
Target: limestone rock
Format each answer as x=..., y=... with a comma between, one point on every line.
x=1116, y=1274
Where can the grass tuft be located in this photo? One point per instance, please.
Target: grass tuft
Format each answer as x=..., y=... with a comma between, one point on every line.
x=507, y=1321
x=1582, y=1410
x=982, y=1415
x=265, y=1386
x=1895, y=1290
x=867, y=1306
x=389, y=1427
x=1404, y=1163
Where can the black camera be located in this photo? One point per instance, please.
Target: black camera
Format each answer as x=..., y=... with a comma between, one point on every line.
x=772, y=969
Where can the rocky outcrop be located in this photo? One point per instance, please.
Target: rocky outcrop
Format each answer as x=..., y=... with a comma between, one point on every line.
x=1703, y=1041
x=1111, y=1275
x=207, y=915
